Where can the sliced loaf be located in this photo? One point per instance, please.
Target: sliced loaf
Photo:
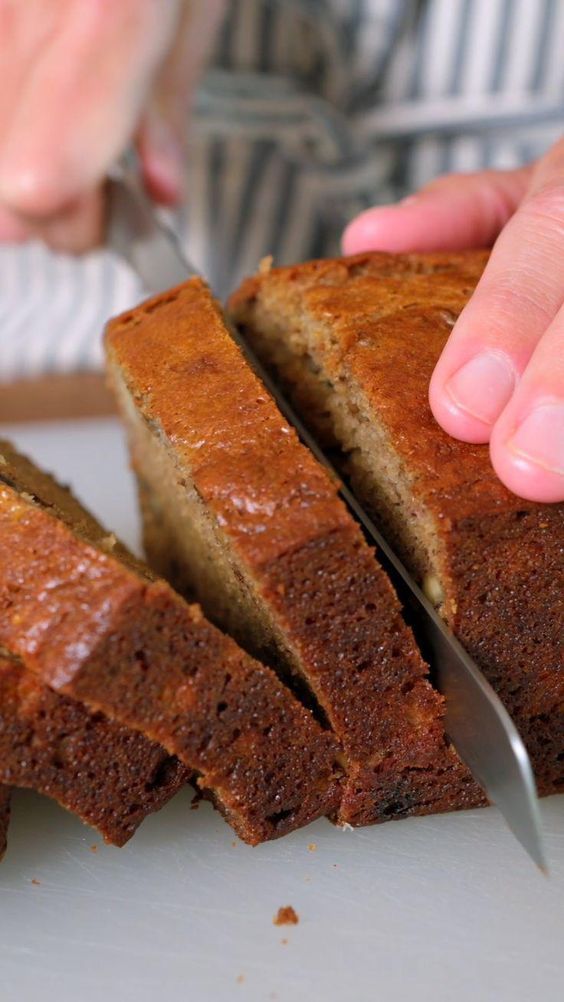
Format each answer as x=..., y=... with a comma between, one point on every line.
x=108, y=775
x=94, y=624
x=355, y=342
x=238, y=514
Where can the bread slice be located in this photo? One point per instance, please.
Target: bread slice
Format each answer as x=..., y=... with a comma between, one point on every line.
x=239, y=514
x=110, y=776
x=94, y=624
x=5, y=794
x=355, y=342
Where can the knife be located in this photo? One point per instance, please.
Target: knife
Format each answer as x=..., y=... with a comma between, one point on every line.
x=476, y=721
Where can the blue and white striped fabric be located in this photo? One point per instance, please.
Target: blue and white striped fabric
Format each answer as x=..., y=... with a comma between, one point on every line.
x=53, y=308
x=310, y=111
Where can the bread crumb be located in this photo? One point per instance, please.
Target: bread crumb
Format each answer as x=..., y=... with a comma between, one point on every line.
x=240, y=979
x=284, y=941
x=108, y=542
x=196, y=800
x=286, y=916
x=433, y=589
x=93, y=848
x=312, y=847
x=36, y=882
x=265, y=264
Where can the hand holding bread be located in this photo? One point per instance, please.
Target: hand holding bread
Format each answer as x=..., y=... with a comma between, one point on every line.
x=500, y=378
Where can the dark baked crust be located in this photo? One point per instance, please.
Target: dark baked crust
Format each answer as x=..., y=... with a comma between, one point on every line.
x=108, y=775
x=376, y=325
x=276, y=546
x=94, y=624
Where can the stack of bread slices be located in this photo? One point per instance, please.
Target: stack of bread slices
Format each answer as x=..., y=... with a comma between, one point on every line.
x=271, y=662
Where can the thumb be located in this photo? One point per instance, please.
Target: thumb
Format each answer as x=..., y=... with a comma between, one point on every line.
x=455, y=212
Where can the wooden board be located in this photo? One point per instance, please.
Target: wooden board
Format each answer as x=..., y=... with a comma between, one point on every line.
x=48, y=398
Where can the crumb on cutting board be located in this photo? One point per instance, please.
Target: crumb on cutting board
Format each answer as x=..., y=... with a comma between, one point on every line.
x=240, y=979
x=286, y=915
x=312, y=847
x=35, y=881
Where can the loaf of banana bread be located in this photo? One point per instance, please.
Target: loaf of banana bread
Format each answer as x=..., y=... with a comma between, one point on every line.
x=108, y=775
x=355, y=342
x=95, y=625
x=238, y=514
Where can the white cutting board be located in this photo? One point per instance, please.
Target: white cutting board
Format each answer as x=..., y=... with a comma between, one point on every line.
x=443, y=909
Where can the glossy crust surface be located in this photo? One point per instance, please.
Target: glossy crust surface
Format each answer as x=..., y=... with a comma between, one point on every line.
x=95, y=625
x=377, y=324
x=186, y=391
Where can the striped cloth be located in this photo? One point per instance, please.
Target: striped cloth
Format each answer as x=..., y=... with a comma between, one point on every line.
x=311, y=111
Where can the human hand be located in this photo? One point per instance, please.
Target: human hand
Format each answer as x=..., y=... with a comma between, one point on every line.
x=500, y=378
x=79, y=79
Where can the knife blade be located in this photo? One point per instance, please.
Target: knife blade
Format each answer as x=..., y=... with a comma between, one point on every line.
x=476, y=721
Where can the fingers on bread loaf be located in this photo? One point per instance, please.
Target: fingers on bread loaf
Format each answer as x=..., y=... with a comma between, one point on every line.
x=238, y=514
x=95, y=625
x=354, y=341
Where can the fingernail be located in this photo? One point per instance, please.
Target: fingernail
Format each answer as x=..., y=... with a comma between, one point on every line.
x=483, y=386
x=169, y=155
x=540, y=438
x=164, y=138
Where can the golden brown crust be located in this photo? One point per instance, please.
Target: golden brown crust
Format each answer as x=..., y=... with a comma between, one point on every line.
x=392, y=314
x=95, y=627
x=376, y=326
x=278, y=514
x=189, y=391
